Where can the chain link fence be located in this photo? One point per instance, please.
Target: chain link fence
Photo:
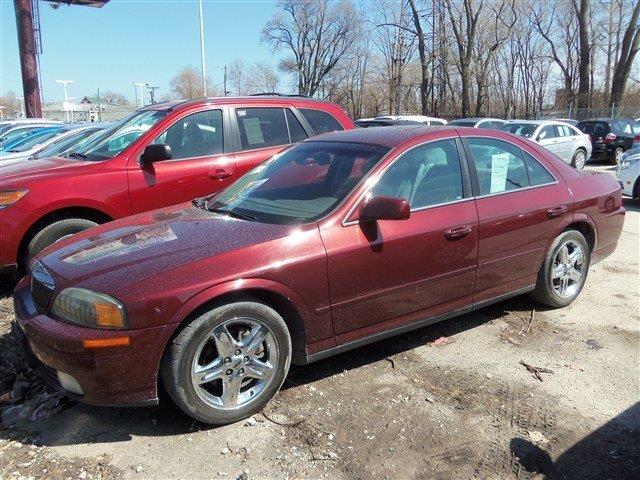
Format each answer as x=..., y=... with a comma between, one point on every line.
x=585, y=113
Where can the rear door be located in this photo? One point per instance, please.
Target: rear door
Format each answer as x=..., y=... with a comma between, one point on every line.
x=201, y=164
x=388, y=273
x=520, y=204
x=263, y=131
x=548, y=138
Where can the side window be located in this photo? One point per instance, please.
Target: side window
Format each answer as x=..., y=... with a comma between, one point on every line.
x=546, y=133
x=538, y=175
x=262, y=127
x=321, y=122
x=499, y=165
x=296, y=132
x=427, y=175
x=196, y=135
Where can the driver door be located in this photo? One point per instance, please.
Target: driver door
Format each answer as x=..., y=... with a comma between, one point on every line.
x=199, y=164
x=388, y=273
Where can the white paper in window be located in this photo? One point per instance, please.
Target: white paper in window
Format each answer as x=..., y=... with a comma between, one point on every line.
x=253, y=130
x=499, y=169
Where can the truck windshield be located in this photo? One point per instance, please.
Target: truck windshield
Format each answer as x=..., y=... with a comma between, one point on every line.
x=119, y=136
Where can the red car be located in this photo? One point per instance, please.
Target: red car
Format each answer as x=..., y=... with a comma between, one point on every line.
x=161, y=155
x=337, y=242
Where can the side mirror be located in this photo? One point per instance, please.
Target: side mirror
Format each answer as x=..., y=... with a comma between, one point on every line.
x=385, y=208
x=156, y=152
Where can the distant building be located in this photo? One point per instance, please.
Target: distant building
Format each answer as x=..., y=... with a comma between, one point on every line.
x=87, y=111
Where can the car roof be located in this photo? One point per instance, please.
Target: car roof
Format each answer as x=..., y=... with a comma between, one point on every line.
x=246, y=99
x=387, y=136
x=529, y=122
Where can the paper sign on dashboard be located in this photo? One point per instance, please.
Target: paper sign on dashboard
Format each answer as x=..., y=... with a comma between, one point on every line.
x=499, y=169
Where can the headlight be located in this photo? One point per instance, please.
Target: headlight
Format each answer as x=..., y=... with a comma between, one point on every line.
x=626, y=163
x=89, y=309
x=9, y=197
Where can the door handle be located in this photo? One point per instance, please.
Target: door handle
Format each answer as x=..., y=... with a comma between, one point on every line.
x=557, y=211
x=220, y=174
x=457, y=232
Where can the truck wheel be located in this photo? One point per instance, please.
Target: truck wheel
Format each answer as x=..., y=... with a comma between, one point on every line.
x=54, y=232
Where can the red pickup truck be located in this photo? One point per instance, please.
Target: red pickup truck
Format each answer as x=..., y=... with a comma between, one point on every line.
x=160, y=155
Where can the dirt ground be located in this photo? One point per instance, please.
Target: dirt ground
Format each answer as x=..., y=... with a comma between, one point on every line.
x=414, y=406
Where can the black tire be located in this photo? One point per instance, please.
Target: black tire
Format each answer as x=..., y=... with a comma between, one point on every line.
x=574, y=163
x=177, y=362
x=615, y=155
x=54, y=232
x=545, y=292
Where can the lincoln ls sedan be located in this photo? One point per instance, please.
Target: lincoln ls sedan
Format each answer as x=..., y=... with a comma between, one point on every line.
x=336, y=242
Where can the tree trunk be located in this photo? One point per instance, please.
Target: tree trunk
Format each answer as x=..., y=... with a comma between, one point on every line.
x=422, y=51
x=585, y=55
x=628, y=51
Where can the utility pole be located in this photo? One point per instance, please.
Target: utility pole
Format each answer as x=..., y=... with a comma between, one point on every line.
x=28, y=58
x=152, y=91
x=99, y=107
x=202, y=61
x=225, y=82
x=140, y=86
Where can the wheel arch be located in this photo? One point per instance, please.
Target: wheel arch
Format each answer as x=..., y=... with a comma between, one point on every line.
x=88, y=213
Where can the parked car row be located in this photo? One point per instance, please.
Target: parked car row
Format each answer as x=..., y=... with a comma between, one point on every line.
x=573, y=141
x=289, y=255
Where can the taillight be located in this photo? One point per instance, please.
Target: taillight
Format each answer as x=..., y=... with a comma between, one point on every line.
x=636, y=139
x=610, y=137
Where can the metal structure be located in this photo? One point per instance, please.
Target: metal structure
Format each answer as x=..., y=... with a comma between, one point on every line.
x=30, y=45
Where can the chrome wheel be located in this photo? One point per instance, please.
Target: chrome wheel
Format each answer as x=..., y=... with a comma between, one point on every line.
x=580, y=159
x=234, y=363
x=618, y=154
x=568, y=269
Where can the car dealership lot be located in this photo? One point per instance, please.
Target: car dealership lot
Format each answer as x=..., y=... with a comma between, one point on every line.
x=450, y=400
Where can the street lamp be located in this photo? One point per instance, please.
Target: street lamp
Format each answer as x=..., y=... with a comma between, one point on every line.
x=140, y=86
x=66, y=97
x=202, y=62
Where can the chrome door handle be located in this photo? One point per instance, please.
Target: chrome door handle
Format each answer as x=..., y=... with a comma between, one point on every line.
x=457, y=232
x=220, y=174
x=557, y=211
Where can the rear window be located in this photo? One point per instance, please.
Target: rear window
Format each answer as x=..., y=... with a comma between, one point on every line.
x=463, y=123
x=321, y=122
x=596, y=129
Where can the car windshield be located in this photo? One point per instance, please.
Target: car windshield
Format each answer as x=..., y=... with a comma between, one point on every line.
x=120, y=135
x=300, y=185
x=61, y=145
x=33, y=141
x=522, y=129
x=15, y=132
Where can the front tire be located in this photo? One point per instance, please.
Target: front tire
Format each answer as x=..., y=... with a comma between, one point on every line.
x=617, y=154
x=564, y=270
x=53, y=233
x=227, y=363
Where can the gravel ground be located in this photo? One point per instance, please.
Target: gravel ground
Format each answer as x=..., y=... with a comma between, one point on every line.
x=453, y=400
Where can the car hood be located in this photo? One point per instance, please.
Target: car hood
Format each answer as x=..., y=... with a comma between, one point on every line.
x=43, y=168
x=132, y=249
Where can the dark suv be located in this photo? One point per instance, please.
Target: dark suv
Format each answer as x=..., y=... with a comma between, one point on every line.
x=610, y=137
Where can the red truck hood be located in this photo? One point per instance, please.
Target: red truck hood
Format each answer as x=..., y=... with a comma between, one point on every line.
x=45, y=167
x=135, y=248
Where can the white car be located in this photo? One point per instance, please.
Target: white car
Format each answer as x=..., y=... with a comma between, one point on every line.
x=415, y=118
x=493, y=123
x=628, y=172
x=566, y=141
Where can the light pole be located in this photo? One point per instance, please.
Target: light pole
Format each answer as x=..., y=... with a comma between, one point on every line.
x=202, y=62
x=21, y=101
x=66, y=97
x=140, y=86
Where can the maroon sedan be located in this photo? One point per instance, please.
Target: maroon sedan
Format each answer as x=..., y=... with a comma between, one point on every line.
x=337, y=242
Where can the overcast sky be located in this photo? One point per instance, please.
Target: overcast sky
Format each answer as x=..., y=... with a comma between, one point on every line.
x=133, y=40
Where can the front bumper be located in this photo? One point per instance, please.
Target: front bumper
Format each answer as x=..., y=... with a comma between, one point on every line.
x=114, y=376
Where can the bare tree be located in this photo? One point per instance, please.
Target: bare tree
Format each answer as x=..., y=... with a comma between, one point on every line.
x=628, y=50
x=317, y=33
x=187, y=84
x=584, y=81
x=114, y=98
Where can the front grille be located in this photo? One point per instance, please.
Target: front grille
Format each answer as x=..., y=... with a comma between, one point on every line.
x=42, y=287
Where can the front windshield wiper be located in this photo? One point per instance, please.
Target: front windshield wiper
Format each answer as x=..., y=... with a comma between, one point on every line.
x=231, y=213
x=76, y=155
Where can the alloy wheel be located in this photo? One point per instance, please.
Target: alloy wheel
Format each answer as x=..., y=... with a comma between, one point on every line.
x=580, y=160
x=618, y=155
x=568, y=269
x=234, y=363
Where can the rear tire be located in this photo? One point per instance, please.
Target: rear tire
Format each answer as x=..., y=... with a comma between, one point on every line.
x=579, y=159
x=563, y=271
x=617, y=153
x=54, y=232
x=227, y=363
